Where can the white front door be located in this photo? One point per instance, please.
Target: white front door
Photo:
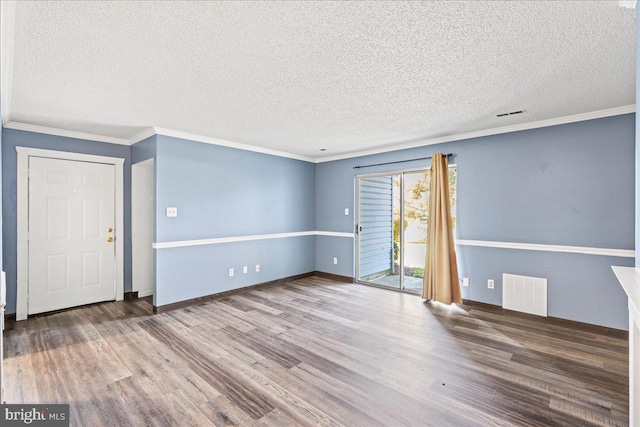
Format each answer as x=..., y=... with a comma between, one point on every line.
x=71, y=234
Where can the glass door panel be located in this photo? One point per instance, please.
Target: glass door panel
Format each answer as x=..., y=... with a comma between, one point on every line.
x=378, y=211
x=416, y=212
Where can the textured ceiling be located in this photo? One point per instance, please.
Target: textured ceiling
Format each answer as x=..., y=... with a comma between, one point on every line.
x=300, y=76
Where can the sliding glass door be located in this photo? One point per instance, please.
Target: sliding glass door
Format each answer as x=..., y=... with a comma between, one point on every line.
x=392, y=214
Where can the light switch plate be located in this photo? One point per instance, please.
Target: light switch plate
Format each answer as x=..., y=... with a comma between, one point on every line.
x=346, y=211
x=172, y=212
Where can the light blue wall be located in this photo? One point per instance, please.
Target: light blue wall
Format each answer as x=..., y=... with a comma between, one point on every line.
x=225, y=192
x=328, y=247
x=570, y=185
x=195, y=271
x=143, y=150
x=222, y=192
x=10, y=140
x=580, y=287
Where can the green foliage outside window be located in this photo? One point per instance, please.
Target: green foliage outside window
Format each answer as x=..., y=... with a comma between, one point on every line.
x=416, y=207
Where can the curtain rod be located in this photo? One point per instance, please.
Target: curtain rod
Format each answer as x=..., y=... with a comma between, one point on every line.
x=399, y=161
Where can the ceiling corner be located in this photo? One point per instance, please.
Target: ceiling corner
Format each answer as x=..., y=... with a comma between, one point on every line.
x=150, y=131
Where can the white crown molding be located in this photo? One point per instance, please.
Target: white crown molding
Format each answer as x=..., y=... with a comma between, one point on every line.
x=66, y=133
x=150, y=131
x=627, y=109
x=7, y=24
x=231, y=144
x=623, y=253
x=146, y=134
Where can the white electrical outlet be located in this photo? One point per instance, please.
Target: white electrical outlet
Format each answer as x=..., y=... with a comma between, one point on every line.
x=172, y=212
x=231, y=272
x=465, y=281
x=346, y=211
x=335, y=260
x=490, y=283
x=257, y=268
x=245, y=269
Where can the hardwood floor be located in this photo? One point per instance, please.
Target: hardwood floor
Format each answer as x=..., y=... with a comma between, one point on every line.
x=318, y=352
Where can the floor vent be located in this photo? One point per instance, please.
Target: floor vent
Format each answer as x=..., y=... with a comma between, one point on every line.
x=525, y=294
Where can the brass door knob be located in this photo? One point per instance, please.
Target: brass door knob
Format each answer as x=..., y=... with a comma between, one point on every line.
x=109, y=230
x=109, y=239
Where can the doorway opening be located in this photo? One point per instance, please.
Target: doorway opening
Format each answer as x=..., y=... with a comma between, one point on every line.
x=142, y=228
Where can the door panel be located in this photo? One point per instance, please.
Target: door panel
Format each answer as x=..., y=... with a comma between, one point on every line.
x=416, y=210
x=57, y=273
x=376, y=213
x=91, y=217
x=91, y=262
x=71, y=209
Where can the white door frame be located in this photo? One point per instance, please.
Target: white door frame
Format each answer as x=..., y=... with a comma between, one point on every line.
x=22, y=308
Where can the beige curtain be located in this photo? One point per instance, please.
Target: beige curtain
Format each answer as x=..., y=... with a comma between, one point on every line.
x=441, y=269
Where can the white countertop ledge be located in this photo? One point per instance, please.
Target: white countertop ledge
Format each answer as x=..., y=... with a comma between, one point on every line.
x=629, y=278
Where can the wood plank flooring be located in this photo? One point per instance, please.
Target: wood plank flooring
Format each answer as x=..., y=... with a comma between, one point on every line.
x=318, y=352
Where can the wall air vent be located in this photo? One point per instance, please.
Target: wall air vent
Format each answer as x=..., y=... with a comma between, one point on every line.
x=523, y=293
x=512, y=113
